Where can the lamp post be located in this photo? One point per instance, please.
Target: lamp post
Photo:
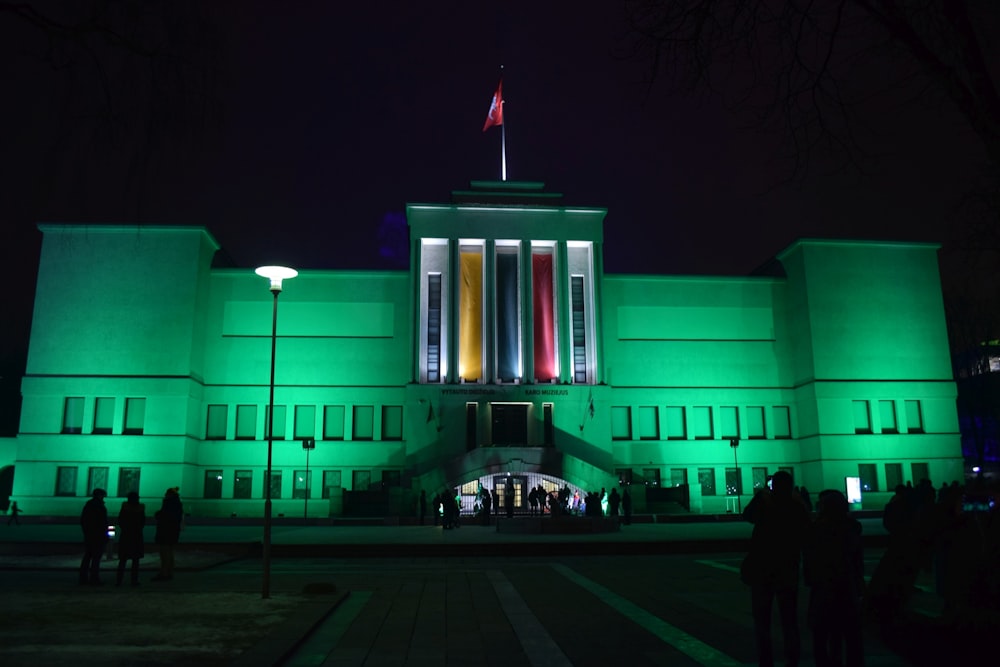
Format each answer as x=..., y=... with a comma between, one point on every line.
x=735, y=443
x=308, y=445
x=275, y=274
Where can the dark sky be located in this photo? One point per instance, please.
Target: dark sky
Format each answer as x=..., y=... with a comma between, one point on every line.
x=314, y=121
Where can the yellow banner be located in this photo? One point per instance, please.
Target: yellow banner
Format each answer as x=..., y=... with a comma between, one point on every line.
x=470, y=323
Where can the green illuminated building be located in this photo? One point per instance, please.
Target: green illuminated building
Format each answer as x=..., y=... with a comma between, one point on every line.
x=505, y=355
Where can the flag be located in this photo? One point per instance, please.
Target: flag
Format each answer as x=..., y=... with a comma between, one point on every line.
x=495, y=115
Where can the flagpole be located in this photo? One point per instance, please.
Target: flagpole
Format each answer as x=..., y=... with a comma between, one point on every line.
x=503, y=151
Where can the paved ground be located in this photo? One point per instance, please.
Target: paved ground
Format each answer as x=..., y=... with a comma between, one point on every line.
x=651, y=594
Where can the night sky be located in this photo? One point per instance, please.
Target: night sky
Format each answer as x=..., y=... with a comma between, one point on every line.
x=306, y=127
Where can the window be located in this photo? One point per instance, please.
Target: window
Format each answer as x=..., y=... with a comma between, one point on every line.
x=914, y=420
x=364, y=420
x=331, y=480
x=104, y=415
x=729, y=422
x=433, y=327
x=755, y=422
x=678, y=476
x=887, y=414
x=548, y=432
x=919, y=472
x=893, y=475
x=333, y=422
x=621, y=423
x=66, y=481
x=862, y=417
x=243, y=484
x=676, y=430
x=579, y=325
x=649, y=423
x=302, y=484
x=280, y=421
x=782, y=422
x=734, y=482
x=759, y=478
x=471, y=426
x=706, y=478
x=97, y=478
x=218, y=415
x=701, y=418
x=624, y=476
x=305, y=422
x=868, y=475
x=213, y=484
x=246, y=422
x=128, y=480
x=361, y=480
x=73, y=416
x=274, y=483
x=392, y=422
x=391, y=478
x=651, y=476
x=135, y=416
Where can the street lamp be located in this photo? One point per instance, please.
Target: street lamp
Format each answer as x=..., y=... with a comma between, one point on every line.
x=275, y=274
x=308, y=445
x=735, y=443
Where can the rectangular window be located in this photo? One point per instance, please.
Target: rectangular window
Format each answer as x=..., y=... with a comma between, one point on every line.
x=331, y=480
x=893, y=475
x=243, y=484
x=305, y=422
x=734, y=482
x=508, y=315
x=701, y=422
x=729, y=422
x=213, y=484
x=97, y=478
x=391, y=479
x=676, y=428
x=914, y=420
x=919, y=472
x=470, y=313
x=862, y=417
x=361, y=480
x=678, y=476
x=649, y=422
x=274, y=483
x=215, y=429
x=433, y=328
x=621, y=423
x=392, y=422
x=333, y=422
x=869, y=477
x=104, y=415
x=887, y=414
x=755, y=422
x=548, y=430
x=706, y=478
x=543, y=311
x=624, y=476
x=782, y=422
x=280, y=421
x=651, y=476
x=66, y=481
x=246, y=422
x=471, y=426
x=128, y=480
x=135, y=416
x=759, y=478
x=73, y=415
x=364, y=422
x=579, y=324
x=510, y=424
x=301, y=485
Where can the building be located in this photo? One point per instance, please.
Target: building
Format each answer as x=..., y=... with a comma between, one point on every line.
x=505, y=355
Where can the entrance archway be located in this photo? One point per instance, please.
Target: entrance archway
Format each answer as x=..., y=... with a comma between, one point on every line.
x=521, y=484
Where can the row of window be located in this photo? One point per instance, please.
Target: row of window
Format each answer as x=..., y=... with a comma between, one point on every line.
x=700, y=422
x=98, y=477
x=887, y=414
x=104, y=418
x=332, y=426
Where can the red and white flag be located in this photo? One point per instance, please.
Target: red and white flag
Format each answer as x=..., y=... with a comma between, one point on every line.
x=495, y=115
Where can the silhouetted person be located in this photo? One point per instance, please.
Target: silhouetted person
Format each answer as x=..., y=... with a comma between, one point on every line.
x=833, y=567
x=423, y=506
x=168, y=532
x=508, y=497
x=14, y=511
x=131, y=545
x=627, y=506
x=487, y=507
x=614, y=500
x=533, y=500
x=94, y=523
x=772, y=565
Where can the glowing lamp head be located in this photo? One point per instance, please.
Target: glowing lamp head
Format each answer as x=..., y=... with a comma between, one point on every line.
x=276, y=274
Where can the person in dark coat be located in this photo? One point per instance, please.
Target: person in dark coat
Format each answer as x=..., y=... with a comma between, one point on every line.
x=168, y=531
x=94, y=523
x=131, y=545
x=771, y=568
x=613, y=502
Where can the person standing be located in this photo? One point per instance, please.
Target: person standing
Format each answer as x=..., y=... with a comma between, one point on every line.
x=131, y=545
x=613, y=502
x=94, y=523
x=771, y=568
x=14, y=511
x=168, y=531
